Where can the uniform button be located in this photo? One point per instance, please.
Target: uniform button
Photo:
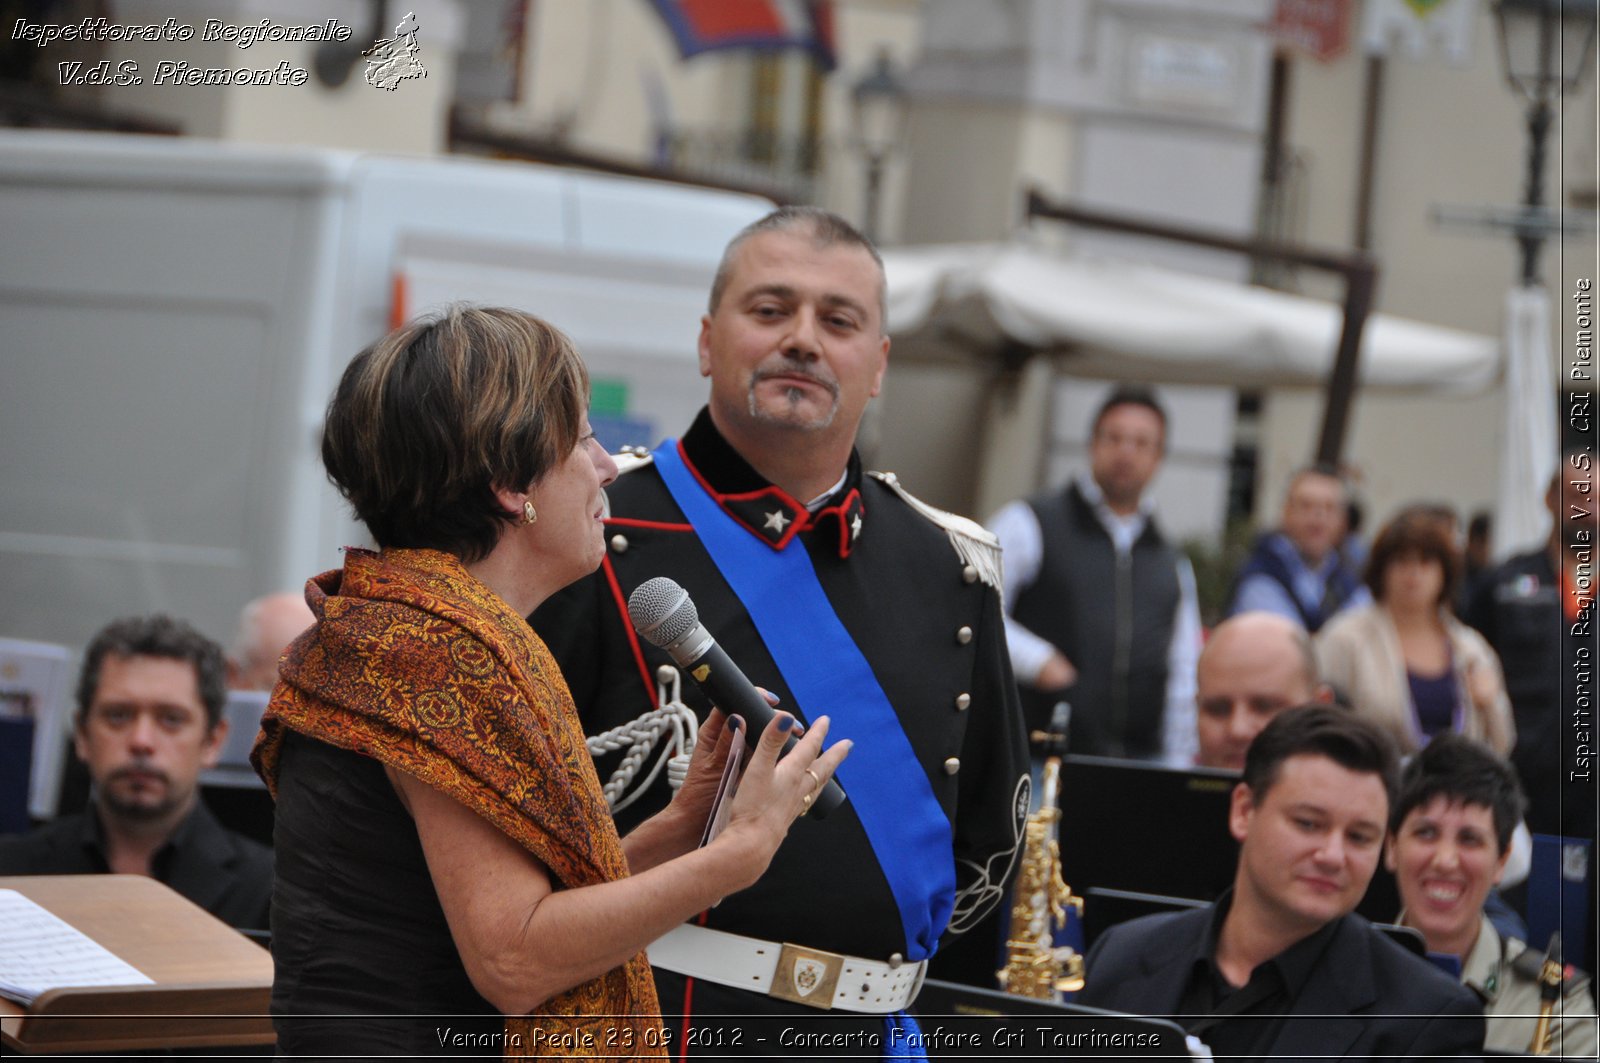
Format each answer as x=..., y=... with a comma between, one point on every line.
x=963, y=634
x=963, y=701
x=619, y=543
x=895, y=961
x=665, y=674
x=969, y=574
x=952, y=765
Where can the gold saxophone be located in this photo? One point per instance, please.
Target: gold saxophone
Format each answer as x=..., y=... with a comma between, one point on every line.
x=1035, y=966
x=1551, y=973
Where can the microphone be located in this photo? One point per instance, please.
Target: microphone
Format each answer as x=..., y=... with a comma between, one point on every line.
x=663, y=614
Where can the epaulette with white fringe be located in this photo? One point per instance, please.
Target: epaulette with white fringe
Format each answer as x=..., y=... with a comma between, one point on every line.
x=973, y=543
x=627, y=460
x=630, y=458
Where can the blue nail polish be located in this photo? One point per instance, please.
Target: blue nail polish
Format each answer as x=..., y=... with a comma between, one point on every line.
x=772, y=699
x=785, y=723
x=734, y=723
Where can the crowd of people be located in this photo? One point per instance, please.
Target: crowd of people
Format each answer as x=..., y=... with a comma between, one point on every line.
x=443, y=844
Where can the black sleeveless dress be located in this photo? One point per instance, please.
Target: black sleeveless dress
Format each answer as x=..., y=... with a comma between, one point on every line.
x=365, y=965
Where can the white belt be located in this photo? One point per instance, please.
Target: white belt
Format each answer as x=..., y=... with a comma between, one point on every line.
x=789, y=972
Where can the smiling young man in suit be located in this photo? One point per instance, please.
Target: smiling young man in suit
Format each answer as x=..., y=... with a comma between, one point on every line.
x=1279, y=965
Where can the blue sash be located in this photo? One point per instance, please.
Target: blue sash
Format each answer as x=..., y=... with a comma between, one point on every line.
x=827, y=674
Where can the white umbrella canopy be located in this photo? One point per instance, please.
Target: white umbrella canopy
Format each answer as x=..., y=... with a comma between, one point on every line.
x=1119, y=320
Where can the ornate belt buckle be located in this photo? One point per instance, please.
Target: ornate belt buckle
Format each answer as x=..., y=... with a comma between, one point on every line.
x=806, y=976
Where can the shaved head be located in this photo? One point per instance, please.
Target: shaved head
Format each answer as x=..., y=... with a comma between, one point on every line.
x=266, y=627
x=1253, y=667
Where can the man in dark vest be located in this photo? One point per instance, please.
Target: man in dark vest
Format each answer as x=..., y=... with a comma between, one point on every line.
x=1299, y=571
x=1100, y=610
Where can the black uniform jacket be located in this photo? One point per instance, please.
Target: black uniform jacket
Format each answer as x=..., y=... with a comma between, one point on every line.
x=926, y=622
x=1366, y=997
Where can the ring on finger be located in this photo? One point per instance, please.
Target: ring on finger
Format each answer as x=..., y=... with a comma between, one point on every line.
x=806, y=800
x=814, y=778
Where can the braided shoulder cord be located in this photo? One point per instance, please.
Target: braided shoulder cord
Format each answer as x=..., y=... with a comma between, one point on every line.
x=671, y=719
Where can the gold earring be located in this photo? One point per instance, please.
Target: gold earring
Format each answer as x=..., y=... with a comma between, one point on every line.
x=529, y=514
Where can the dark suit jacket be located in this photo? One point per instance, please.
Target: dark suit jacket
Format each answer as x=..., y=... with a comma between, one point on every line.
x=225, y=873
x=1397, y=1004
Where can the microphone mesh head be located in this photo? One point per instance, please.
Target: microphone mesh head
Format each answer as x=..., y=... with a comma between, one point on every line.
x=661, y=611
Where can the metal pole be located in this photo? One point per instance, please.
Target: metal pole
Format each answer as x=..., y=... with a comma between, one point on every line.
x=869, y=227
x=1528, y=235
x=1269, y=207
x=1360, y=283
x=1371, y=111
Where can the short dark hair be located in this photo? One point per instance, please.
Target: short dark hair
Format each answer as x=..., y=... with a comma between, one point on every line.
x=1462, y=769
x=156, y=636
x=826, y=230
x=1129, y=395
x=1348, y=740
x=429, y=421
x=1414, y=530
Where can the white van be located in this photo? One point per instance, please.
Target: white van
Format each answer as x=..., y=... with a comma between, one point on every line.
x=174, y=314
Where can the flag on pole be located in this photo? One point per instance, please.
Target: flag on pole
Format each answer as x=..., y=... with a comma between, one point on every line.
x=1420, y=28
x=1317, y=28
x=757, y=25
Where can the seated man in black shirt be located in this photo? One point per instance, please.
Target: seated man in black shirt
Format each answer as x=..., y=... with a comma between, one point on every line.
x=149, y=720
x=1279, y=965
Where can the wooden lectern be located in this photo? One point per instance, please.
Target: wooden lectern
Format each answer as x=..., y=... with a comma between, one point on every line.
x=212, y=985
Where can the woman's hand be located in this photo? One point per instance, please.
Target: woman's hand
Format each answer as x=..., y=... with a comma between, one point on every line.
x=692, y=803
x=775, y=791
x=690, y=808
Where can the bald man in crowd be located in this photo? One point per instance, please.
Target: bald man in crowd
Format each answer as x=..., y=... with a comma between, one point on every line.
x=266, y=627
x=1253, y=667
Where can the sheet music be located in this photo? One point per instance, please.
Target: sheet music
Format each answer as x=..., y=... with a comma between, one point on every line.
x=40, y=951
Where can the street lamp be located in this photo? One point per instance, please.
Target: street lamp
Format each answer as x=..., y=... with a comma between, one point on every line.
x=1544, y=45
x=877, y=120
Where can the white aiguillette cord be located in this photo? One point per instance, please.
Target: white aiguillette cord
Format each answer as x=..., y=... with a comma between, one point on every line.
x=671, y=719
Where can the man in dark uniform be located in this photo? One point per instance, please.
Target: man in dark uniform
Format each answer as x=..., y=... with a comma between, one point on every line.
x=763, y=514
x=149, y=721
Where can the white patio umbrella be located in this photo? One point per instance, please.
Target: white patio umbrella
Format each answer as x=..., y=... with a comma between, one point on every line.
x=1118, y=320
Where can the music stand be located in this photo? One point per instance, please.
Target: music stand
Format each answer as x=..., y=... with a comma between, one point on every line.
x=961, y=1022
x=1104, y=908
x=212, y=986
x=1146, y=828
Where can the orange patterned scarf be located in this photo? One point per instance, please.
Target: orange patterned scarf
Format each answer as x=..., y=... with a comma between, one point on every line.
x=417, y=664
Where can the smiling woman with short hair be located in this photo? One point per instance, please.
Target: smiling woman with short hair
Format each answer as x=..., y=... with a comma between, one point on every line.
x=1449, y=840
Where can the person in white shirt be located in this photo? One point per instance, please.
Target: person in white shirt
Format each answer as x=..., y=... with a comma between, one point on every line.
x=1101, y=610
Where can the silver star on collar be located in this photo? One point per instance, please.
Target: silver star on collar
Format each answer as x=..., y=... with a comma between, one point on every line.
x=855, y=528
x=777, y=521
